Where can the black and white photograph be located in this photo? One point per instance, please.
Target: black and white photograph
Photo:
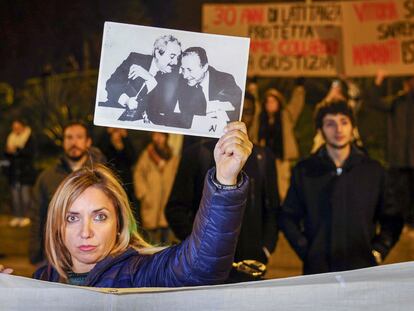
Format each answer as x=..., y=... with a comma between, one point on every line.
x=173, y=81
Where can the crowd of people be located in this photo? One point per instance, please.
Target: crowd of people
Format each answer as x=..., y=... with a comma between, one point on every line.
x=338, y=208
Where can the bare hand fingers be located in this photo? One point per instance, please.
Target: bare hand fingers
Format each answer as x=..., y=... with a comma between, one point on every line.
x=8, y=271
x=236, y=125
x=235, y=136
x=236, y=139
x=134, y=71
x=5, y=270
x=234, y=143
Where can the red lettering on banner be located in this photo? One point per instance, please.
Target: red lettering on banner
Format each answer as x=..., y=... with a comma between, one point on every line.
x=226, y=15
x=376, y=53
x=252, y=16
x=376, y=11
x=261, y=46
x=308, y=47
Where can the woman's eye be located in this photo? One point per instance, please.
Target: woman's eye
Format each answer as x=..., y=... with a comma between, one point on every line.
x=72, y=218
x=100, y=217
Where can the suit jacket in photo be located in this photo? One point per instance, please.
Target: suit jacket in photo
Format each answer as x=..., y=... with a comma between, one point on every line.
x=155, y=103
x=223, y=87
x=191, y=102
x=191, y=99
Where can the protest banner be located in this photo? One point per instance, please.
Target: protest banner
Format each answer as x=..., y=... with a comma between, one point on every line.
x=286, y=39
x=378, y=34
x=382, y=288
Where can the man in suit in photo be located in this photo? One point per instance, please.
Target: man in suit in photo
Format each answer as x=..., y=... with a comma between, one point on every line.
x=146, y=85
x=220, y=90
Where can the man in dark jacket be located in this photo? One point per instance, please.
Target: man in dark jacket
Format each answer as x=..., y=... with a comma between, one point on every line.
x=77, y=153
x=258, y=234
x=338, y=214
x=400, y=140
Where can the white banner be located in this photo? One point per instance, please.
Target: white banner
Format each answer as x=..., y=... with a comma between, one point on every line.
x=389, y=287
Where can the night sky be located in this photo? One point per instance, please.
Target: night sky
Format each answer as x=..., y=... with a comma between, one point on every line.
x=34, y=33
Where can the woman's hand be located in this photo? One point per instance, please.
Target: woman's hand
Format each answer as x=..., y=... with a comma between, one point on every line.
x=5, y=270
x=231, y=153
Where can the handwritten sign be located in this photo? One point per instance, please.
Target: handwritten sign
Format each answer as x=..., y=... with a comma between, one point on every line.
x=286, y=39
x=321, y=39
x=387, y=39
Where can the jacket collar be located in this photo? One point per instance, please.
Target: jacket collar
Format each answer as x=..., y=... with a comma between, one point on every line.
x=106, y=264
x=64, y=165
x=356, y=156
x=50, y=273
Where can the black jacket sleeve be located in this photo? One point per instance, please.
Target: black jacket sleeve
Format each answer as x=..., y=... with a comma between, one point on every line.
x=38, y=213
x=180, y=210
x=187, y=190
x=119, y=83
x=271, y=202
x=291, y=217
x=390, y=218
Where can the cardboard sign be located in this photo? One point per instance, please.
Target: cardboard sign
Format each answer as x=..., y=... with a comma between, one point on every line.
x=379, y=34
x=286, y=39
x=167, y=80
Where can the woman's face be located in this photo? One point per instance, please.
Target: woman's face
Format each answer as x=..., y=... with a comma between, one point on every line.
x=272, y=104
x=17, y=127
x=91, y=229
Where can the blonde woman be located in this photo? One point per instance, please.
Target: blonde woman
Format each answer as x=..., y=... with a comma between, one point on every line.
x=92, y=239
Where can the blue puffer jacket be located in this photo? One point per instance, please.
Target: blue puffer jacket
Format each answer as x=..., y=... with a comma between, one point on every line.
x=204, y=258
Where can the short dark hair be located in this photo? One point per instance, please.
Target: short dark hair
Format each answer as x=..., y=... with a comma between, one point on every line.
x=249, y=96
x=199, y=51
x=76, y=122
x=20, y=120
x=333, y=107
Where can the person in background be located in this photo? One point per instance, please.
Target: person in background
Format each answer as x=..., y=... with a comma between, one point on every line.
x=77, y=153
x=20, y=151
x=276, y=130
x=400, y=139
x=339, y=213
x=259, y=229
x=92, y=238
x=119, y=152
x=253, y=88
x=154, y=175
